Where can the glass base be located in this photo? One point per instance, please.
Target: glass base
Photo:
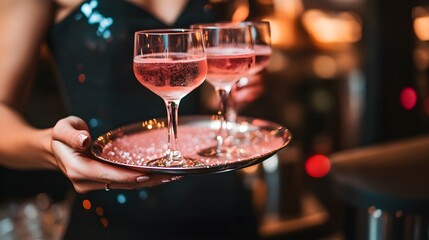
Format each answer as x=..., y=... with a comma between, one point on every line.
x=174, y=159
x=230, y=146
x=221, y=151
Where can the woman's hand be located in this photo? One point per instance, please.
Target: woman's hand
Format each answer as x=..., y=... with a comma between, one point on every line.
x=247, y=90
x=70, y=140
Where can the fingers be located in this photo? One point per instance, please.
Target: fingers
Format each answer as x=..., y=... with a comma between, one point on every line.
x=249, y=81
x=87, y=174
x=70, y=139
x=73, y=131
x=78, y=166
x=119, y=177
x=154, y=180
x=247, y=90
x=248, y=94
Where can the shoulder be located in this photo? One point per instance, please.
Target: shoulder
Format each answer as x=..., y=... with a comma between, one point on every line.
x=32, y=15
x=64, y=7
x=23, y=27
x=8, y=7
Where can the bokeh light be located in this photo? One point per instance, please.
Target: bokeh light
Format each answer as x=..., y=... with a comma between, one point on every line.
x=241, y=13
x=104, y=222
x=329, y=27
x=325, y=66
x=421, y=25
x=317, y=166
x=81, y=78
x=408, y=98
x=99, y=211
x=143, y=195
x=251, y=169
x=121, y=198
x=86, y=204
x=271, y=164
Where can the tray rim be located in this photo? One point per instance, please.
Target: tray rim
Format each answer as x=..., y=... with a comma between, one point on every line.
x=96, y=146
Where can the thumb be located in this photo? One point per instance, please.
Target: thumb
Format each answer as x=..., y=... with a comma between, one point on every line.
x=72, y=131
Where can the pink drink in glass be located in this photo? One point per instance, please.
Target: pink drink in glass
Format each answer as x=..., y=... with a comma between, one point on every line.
x=227, y=65
x=262, y=57
x=171, y=78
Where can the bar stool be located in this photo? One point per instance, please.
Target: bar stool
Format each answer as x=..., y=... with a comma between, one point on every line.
x=386, y=187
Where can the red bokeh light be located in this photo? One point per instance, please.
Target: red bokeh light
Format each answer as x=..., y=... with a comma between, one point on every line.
x=86, y=204
x=99, y=211
x=408, y=98
x=317, y=166
x=104, y=222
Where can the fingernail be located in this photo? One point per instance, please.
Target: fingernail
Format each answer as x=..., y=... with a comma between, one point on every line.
x=82, y=140
x=175, y=178
x=242, y=82
x=142, y=178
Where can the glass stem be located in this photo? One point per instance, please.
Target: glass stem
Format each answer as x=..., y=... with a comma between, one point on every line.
x=231, y=110
x=172, y=119
x=223, y=115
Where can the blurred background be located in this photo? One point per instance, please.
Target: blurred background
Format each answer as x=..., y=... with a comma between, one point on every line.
x=344, y=74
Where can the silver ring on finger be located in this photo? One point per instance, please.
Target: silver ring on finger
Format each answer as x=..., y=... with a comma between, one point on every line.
x=106, y=187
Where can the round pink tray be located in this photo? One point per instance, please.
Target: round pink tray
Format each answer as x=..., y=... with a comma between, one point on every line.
x=137, y=144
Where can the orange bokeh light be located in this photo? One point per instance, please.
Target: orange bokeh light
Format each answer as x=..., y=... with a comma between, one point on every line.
x=86, y=204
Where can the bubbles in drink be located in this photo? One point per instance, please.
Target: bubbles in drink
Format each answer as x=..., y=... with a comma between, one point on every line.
x=262, y=58
x=172, y=75
x=227, y=65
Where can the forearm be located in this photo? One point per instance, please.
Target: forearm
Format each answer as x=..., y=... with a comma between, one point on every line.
x=22, y=146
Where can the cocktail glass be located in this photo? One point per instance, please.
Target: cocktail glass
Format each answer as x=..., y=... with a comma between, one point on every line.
x=171, y=63
x=230, y=56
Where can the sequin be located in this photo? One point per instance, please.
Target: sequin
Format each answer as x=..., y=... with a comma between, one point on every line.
x=93, y=122
x=95, y=17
